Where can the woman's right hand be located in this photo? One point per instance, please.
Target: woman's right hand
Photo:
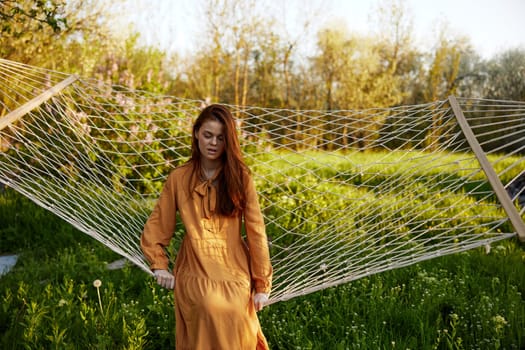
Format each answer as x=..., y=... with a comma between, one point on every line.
x=165, y=278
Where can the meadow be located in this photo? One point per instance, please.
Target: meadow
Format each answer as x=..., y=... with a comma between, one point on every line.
x=61, y=295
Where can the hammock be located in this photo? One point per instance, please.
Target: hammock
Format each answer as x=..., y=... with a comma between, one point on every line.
x=345, y=194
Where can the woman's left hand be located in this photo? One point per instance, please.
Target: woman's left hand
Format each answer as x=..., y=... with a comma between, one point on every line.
x=260, y=300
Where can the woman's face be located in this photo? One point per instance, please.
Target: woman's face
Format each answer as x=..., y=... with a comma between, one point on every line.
x=210, y=139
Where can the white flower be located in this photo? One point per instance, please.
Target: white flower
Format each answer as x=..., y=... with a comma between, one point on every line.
x=97, y=283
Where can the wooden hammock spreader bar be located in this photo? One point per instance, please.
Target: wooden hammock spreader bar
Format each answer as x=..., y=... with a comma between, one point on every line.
x=35, y=102
x=493, y=178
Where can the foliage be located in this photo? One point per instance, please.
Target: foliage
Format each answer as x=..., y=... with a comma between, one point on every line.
x=240, y=59
x=469, y=300
x=49, y=300
x=42, y=13
x=506, y=74
x=25, y=33
x=289, y=205
x=454, y=302
x=243, y=62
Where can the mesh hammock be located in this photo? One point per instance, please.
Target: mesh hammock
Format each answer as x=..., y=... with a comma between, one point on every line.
x=345, y=194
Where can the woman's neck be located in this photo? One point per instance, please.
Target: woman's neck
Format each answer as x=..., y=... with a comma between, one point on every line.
x=210, y=165
x=209, y=168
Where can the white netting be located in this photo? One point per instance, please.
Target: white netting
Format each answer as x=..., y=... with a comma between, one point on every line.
x=345, y=194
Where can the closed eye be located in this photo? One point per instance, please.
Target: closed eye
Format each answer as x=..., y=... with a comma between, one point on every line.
x=210, y=135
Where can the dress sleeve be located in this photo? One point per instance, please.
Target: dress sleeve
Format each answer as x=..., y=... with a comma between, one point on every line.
x=261, y=268
x=160, y=227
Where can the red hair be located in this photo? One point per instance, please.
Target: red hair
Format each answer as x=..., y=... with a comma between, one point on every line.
x=230, y=191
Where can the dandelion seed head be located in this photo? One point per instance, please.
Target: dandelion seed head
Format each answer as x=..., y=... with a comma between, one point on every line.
x=97, y=283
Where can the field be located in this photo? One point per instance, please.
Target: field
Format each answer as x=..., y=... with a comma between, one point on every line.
x=50, y=300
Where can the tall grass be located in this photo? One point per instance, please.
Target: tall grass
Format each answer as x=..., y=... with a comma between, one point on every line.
x=471, y=300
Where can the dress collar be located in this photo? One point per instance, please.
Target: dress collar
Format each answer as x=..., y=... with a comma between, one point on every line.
x=208, y=191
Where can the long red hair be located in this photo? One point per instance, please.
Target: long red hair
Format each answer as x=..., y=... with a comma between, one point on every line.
x=231, y=199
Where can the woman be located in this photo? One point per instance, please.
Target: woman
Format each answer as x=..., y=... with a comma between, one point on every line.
x=219, y=281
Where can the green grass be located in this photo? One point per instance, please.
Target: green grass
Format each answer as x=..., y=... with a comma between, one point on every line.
x=470, y=300
x=466, y=301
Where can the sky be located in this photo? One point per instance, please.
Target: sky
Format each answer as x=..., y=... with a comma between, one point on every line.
x=491, y=25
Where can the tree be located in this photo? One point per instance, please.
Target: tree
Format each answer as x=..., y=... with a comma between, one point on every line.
x=472, y=76
x=443, y=75
x=446, y=64
x=27, y=37
x=395, y=40
x=41, y=13
x=28, y=28
x=506, y=76
x=335, y=48
x=353, y=74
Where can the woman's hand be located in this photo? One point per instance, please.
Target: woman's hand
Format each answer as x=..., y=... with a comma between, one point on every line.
x=165, y=278
x=260, y=300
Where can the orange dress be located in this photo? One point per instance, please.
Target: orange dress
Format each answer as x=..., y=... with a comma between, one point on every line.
x=215, y=272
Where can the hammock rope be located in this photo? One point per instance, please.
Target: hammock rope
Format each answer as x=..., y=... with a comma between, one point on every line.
x=345, y=194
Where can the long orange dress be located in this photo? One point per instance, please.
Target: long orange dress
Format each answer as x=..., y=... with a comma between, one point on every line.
x=215, y=272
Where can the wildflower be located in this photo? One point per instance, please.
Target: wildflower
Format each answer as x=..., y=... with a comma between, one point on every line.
x=62, y=302
x=97, y=283
x=499, y=323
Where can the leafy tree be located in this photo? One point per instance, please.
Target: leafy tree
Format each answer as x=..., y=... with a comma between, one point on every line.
x=506, y=76
x=266, y=81
x=335, y=47
x=397, y=48
x=353, y=74
x=445, y=65
x=28, y=39
x=41, y=12
x=29, y=28
x=443, y=75
x=472, y=76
